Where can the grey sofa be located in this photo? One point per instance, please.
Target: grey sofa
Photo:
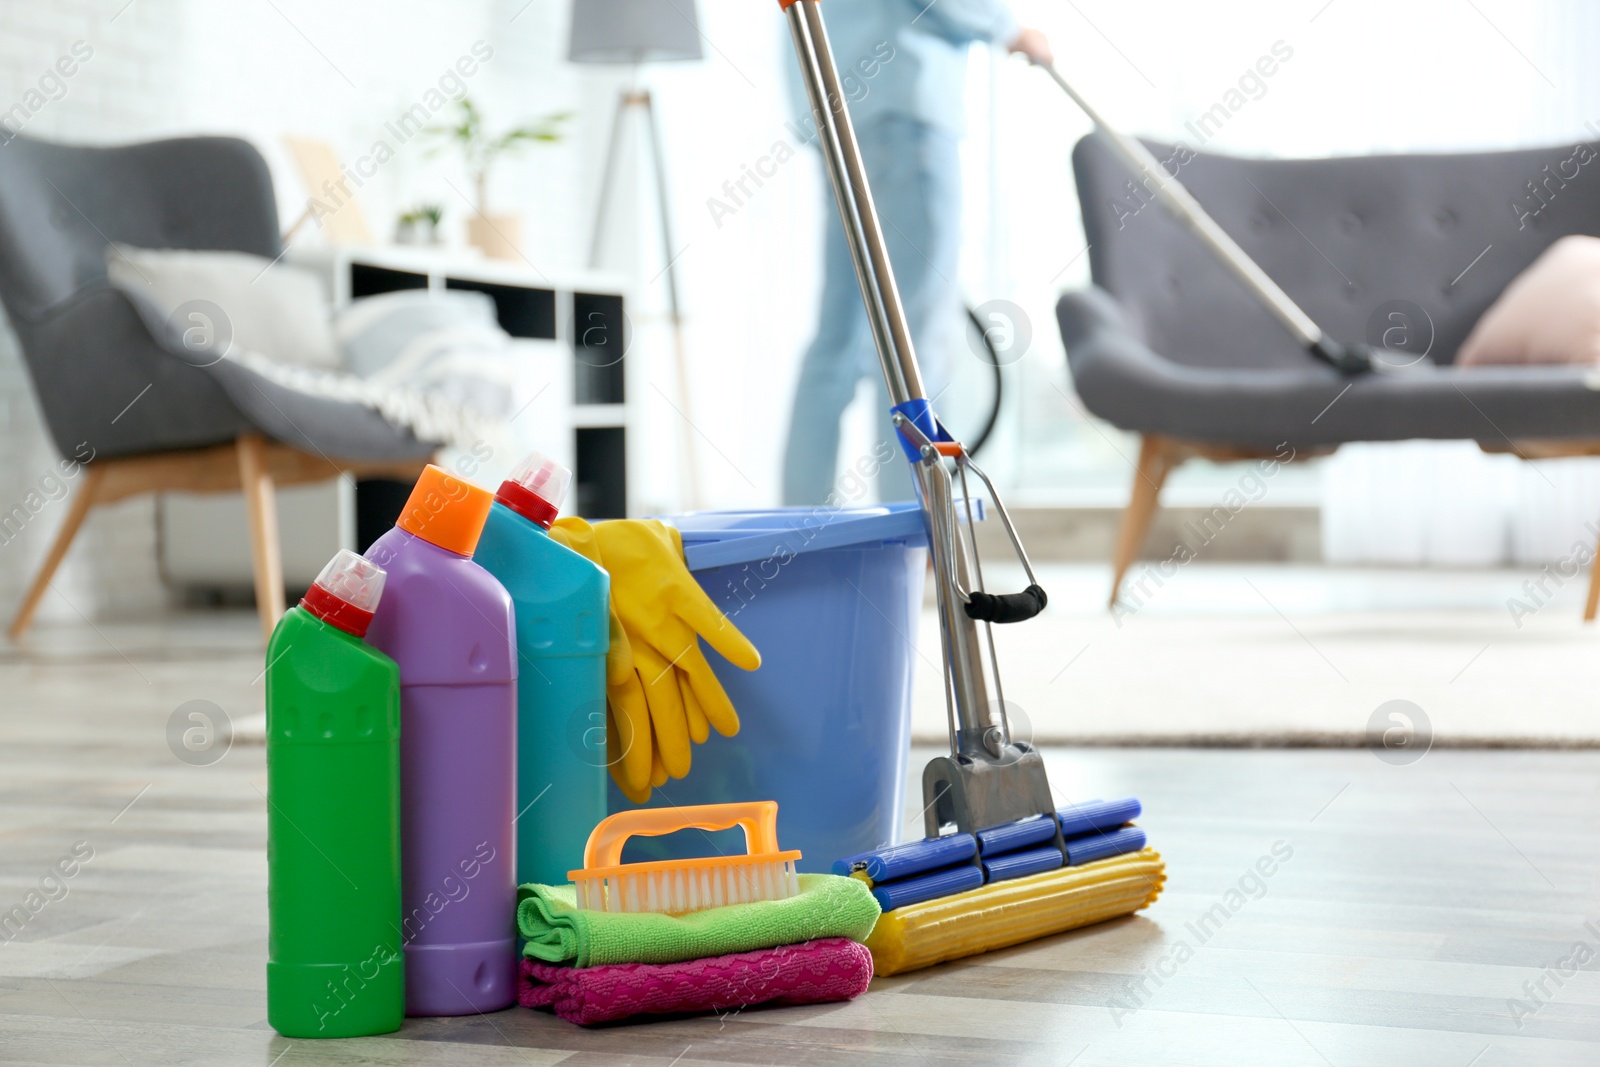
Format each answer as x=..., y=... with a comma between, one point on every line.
x=114, y=381
x=1406, y=251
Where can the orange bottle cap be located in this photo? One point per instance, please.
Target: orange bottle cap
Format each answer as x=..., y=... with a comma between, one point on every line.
x=446, y=511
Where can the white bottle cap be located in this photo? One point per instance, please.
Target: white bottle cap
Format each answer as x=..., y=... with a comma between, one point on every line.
x=544, y=478
x=353, y=579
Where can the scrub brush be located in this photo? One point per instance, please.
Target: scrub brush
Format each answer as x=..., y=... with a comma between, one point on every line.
x=676, y=886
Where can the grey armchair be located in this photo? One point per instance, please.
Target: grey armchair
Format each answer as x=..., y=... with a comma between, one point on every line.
x=1407, y=251
x=113, y=382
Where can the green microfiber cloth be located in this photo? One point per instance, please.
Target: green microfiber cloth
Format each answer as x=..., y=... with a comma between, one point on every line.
x=560, y=932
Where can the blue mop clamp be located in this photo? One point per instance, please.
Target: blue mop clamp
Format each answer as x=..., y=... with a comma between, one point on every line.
x=940, y=883
x=920, y=414
x=1080, y=819
x=1023, y=863
x=898, y=861
x=1102, y=846
x=955, y=863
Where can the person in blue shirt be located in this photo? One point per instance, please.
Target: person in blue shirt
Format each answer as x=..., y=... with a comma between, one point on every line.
x=902, y=65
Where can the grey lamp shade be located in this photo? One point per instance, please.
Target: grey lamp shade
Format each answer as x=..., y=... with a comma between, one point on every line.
x=634, y=31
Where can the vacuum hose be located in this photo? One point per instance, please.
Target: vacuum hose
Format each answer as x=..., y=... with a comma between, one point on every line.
x=999, y=379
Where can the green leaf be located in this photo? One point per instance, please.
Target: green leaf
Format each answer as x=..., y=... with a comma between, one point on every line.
x=480, y=149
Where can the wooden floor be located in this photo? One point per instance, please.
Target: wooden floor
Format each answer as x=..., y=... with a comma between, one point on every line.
x=1418, y=904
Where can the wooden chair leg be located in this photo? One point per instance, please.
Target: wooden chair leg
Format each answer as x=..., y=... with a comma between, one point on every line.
x=1593, y=603
x=261, y=505
x=77, y=511
x=1156, y=458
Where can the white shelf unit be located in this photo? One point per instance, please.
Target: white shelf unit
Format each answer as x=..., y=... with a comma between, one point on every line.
x=577, y=399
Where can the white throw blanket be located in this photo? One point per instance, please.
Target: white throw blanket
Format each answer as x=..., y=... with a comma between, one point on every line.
x=437, y=364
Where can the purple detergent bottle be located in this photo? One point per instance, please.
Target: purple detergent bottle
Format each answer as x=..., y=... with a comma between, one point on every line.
x=448, y=624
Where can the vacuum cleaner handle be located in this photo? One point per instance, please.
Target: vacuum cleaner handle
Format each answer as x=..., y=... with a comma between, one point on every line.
x=1181, y=205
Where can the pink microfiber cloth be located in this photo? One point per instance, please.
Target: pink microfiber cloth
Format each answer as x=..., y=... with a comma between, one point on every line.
x=832, y=968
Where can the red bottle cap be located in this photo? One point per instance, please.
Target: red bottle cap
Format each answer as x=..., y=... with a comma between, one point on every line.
x=535, y=489
x=346, y=593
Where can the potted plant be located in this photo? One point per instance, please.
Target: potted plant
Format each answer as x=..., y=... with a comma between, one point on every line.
x=419, y=225
x=405, y=228
x=497, y=235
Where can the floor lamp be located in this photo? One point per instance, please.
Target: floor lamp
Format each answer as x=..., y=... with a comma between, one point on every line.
x=635, y=32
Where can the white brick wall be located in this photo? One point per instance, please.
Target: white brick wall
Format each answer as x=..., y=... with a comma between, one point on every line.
x=262, y=70
x=112, y=567
x=166, y=67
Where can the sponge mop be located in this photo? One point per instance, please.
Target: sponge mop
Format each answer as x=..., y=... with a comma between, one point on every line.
x=1011, y=912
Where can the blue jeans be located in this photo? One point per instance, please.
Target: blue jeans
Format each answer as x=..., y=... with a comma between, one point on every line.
x=915, y=173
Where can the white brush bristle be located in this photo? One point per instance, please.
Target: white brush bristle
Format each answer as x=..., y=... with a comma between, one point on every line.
x=676, y=890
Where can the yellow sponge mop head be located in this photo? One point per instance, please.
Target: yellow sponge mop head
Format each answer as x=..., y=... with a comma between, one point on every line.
x=1011, y=912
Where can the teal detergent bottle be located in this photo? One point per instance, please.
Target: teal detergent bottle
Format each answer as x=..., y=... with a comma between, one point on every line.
x=562, y=606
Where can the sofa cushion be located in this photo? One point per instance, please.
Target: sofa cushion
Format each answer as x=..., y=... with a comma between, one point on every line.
x=1122, y=381
x=234, y=300
x=1549, y=314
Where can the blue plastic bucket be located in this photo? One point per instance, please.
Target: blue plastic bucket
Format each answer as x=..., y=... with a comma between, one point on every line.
x=832, y=598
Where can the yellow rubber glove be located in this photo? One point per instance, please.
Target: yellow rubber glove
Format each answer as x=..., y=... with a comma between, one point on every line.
x=665, y=613
x=628, y=740
x=630, y=758
x=578, y=535
x=669, y=723
x=614, y=745
x=699, y=726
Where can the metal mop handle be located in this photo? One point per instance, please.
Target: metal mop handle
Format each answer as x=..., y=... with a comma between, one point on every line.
x=1008, y=782
x=837, y=137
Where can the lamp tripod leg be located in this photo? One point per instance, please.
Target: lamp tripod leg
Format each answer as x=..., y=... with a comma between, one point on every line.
x=608, y=175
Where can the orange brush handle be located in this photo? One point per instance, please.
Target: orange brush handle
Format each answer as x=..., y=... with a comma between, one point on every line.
x=759, y=818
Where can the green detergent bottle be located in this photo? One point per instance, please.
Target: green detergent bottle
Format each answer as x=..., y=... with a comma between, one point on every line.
x=335, y=966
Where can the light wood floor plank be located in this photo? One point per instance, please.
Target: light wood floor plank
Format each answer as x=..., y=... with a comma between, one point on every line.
x=1418, y=902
